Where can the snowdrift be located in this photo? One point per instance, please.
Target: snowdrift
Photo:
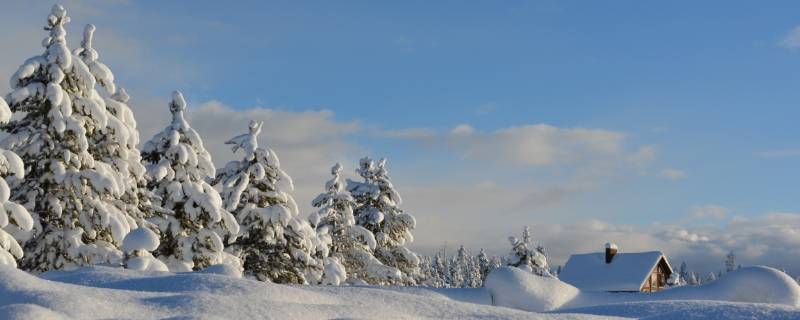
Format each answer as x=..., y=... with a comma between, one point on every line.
x=518, y=289
x=111, y=293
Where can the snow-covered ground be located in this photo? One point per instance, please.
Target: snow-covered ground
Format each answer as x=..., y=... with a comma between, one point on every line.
x=103, y=293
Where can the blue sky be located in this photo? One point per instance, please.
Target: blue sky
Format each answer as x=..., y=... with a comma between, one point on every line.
x=690, y=108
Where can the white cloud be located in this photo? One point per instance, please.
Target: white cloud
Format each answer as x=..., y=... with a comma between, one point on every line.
x=534, y=145
x=672, y=174
x=462, y=130
x=781, y=153
x=709, y=212
x=792, y=39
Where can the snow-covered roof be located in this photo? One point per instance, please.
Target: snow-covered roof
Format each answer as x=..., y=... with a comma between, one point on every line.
x=626, y=272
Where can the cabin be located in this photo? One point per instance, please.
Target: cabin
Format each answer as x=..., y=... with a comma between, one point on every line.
x=614, y=271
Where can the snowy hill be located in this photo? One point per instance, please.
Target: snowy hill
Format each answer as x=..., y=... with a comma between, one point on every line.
x=102, y=293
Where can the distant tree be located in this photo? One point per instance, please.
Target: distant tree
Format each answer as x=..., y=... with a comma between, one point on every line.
x=532, y=260
x=675, y=280
x=684, y=272
x=484, y=264
x=730, y=262
x=694, y=279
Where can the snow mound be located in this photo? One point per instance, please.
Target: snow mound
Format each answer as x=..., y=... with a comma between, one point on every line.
x=511, y=287
x=516, y=288
x=751, y=284
x=140, y=239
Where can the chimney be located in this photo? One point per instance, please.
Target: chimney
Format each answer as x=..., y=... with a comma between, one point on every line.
x=611, y=250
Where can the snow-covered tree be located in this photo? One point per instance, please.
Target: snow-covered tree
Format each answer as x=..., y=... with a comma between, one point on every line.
x=458, y=268
x=484, y=265
x=12, y=215
x=730, y=262
x=694, y=279
x=684, y=271
x=711, y=277
x=68, y=193
x=113, y=138
x=275, y=244
x=675, y=280
x=352, y=244
x=377, y=210
x=193, y=229
x=521, y=256
x=473, y=277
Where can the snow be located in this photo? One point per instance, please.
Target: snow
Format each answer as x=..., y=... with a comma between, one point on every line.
x=108, y=293
x=626, y=272
x=520, y=289
x=103, y=293
x=140, y=239
x=515, y=288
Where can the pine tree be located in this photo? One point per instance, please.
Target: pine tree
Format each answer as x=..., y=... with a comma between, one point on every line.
x=684, y=272
x=521, y=256
x=114, y=140
x=730, y=262
x=458, y=268
x=68, y=194
x=192, y=231
x=474, y=278
x=12, y=215
x=352, y=244
x=377, y=210
x=694, y=279
x=275, y=244
x=484, y=264
x=675, y=280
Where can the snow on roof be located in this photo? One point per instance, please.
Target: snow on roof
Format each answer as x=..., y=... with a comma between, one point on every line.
x=626, y=272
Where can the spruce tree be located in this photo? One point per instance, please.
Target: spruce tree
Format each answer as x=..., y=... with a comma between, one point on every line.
x=521, y=256
x=195, y=223
x=68, y=193
x=274, y=243
x=484, y=265
x=116, y=142
x=378, y=211
x=730, y=262
x=352, y=244
x=12, y=215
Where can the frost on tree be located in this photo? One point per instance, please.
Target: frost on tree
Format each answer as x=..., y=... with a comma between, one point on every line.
x=196, y=222
x=377, y=210
x=523, y=257
x=67, y=192
x=352, y=244
x=274, y=243
x=113, y=137
x=12, y=215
